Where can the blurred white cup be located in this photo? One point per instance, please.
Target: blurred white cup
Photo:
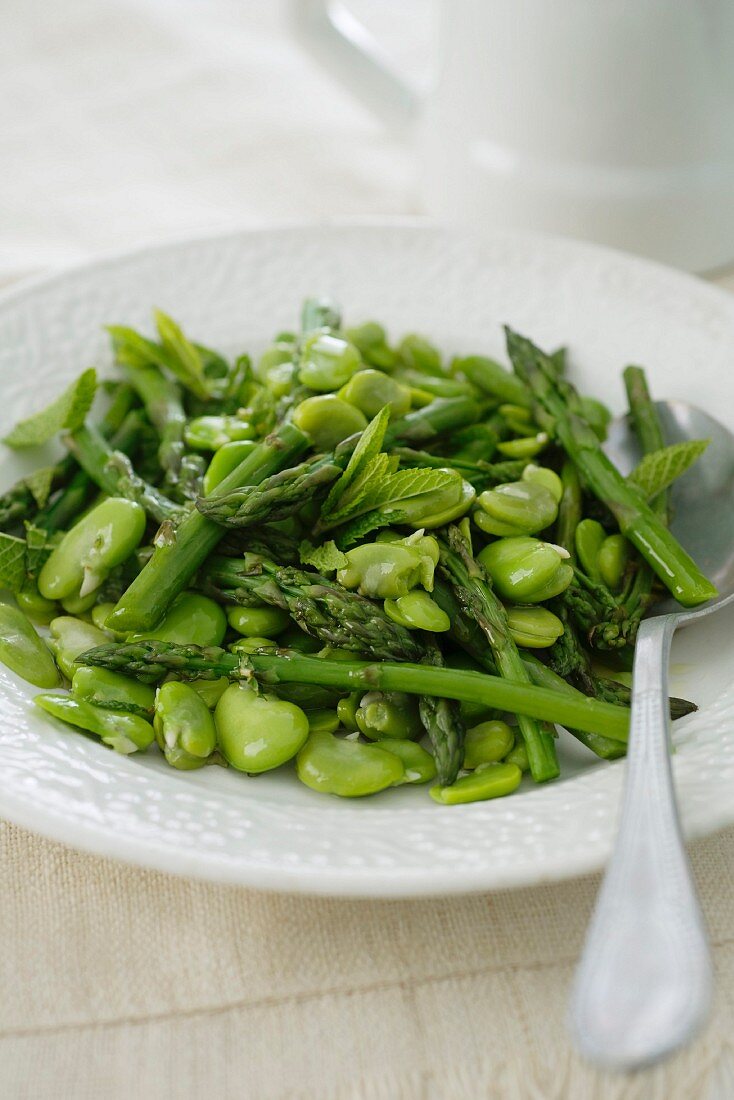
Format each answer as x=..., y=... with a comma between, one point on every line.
x=611, y=120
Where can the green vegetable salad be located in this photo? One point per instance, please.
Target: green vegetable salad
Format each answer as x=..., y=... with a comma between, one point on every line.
x=355, y=559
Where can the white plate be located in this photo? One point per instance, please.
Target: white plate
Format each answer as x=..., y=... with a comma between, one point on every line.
x=234, y=292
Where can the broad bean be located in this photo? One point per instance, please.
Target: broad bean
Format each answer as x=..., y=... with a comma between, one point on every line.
x=589, y=539
x=518, y=755
x=542, y=475
x=420, y=767
x=327, y=362
x=258, y=622
x=125, y=733
x=487, y=743
x=371, y=341
x=112, y=691
x=417, y=611
x=341, y=766
x=192, y=619
x=516, y=508
x=526, y=570
x=91, y=549
x=70, y=638
x=323, y=721
x=371, y=390
x=258, y=732
x=383, y=570
x=388, y=714
x=211, y=691
x=488, y=781
x=183, y=725
x=327, y=420
x=224, y=461
x=209, y=433
x=23, y=650
x=35, y=606
x=525, y=447
x=612, y=560
x=534, y=627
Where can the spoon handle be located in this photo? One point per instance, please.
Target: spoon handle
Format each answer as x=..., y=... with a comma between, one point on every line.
x=643, y=985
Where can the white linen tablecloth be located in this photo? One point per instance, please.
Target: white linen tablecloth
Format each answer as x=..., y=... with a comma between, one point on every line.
x=136, y=120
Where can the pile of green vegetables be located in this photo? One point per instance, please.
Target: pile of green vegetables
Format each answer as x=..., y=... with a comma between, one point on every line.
x=350, y=555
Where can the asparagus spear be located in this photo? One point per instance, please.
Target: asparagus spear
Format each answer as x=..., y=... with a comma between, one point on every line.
x=162, y=400
x=443, y=723
x=152, y=660
x=322, y=608
x=113, y=472
x=174, y=563
x=276, y=497
x=475, y=595
x=558, y=409
x=284, y=493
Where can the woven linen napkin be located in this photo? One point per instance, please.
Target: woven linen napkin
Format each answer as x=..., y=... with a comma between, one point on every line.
x=118, y=982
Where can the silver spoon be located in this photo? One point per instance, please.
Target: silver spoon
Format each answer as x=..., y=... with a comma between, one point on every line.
x=643, y=986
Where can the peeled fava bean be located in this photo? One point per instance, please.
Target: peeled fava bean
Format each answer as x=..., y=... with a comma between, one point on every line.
x=371, y=390
x=328, y=361
x=341, y=766
x=417, y=611
x=192, y=619
x=384, y=714
x=327, y=420
x=224, y=460
x=516, y=508
x=70, y=638
x=526, y=570
x=184, y=727
x=534, y=627
x=258, y=732
x=35, y=606
x=258, y=622
x=488, y=781
x=87, y=553
x=486, y=743
x=112, y=691
x=420, y=767
x=384, y=570
x=123, y=732
x=23, y=650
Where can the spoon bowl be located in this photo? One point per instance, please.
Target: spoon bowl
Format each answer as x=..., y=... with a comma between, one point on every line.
x=643, y=985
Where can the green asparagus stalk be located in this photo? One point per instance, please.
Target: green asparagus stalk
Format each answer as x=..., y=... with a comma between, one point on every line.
x=475, y=595
x=18, y=503
x=174, y=563
x=322, y=608
x=276, y=497
x=569, y=509
x=558, y=409
x=162, y=400
x=152, y=660
x=443, y=723
x=112, y=471
x=283, y=494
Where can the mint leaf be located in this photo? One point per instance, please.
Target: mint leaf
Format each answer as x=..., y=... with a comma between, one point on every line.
x=389, y=492
x=352, y=532
x=66, y=412
x=131, y=349
x=380, y=467
x=12, y=562
x=370, y=445
x=39, y=483
x=324, y=559
x=38, y=545
x=182, y=357
x=660, y=469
